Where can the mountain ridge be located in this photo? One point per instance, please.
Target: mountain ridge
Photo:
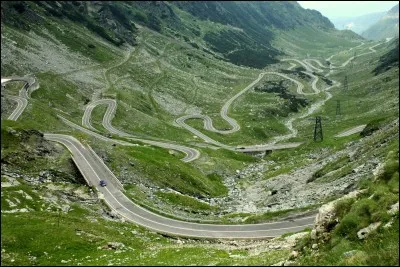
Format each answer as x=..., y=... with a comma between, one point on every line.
x=386, y=27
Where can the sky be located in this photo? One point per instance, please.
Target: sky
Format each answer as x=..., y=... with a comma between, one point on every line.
x=338, y=9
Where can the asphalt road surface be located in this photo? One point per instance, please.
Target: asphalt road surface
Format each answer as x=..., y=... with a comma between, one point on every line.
x=24, y=94
x=191, y=153
x=94, y=170
x=351, y=131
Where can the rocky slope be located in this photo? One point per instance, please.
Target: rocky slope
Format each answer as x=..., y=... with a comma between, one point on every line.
x=240, y=32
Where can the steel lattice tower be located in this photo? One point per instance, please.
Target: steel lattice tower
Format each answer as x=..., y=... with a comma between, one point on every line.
x=352, y=61
x=345, y=85
x=318, y=129
x=338, y=108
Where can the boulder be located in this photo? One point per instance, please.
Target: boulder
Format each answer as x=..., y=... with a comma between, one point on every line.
x=293, y=255
x=378, y=171
x=115, y=245
x=313, y=234
x=349, y=253
x=363, y=233
x=388, y=224
x=394, y=209
x=288, y=263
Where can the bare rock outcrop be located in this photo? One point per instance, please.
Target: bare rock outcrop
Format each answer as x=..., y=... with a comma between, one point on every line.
x=326, y=218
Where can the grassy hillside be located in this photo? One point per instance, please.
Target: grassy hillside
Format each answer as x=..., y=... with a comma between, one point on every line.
x=163, y=60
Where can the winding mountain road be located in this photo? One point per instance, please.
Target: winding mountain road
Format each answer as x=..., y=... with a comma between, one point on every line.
x=191, y=153
x=351, y=131
x=24, y=94
x=329, y=58
x=208, y=125
x=22, y=103
x=344, y=64
x=93, y=169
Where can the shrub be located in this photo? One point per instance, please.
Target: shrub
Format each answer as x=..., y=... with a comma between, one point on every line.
x=390, y=168
x=343, y=206
x=371, y=127
x=364, y=208
x=394, y=183
x=194, y=45
x=303, y=243
x=19, y=7
x=154, y=23
x=102, y=32
x=120, y=15
x=348, y=226
x=380, y=216
x=361, y=214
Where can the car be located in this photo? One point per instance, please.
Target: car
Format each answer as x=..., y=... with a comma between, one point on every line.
x=103, y=183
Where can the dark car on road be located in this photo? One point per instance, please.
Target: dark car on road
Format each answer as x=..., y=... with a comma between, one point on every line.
x=103, y=183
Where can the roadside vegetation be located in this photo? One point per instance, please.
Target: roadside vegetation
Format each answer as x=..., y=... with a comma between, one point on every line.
x=381, y=246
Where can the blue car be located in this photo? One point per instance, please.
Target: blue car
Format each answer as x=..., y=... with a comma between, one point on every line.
x=103, y=183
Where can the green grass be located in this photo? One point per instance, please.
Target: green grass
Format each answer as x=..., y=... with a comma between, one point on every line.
x=315, y=42
x=381, y=246
x=20, y=150
x=165, y=170
x=136, y=194
x=50, y=238
x=334, y=165
x=78, y=39
x=14, y=87
x=185, y=202
x=249, y=218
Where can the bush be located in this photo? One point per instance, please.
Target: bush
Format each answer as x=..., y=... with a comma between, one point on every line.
x=380, y=216
x=102, y=32
x=371, y=127
x=361, y=214
x=120, y=15
x=343, y=206
x=19, y=7
x=348, y=226
x=91, y=46
x=140, y=16
x=303, y=243
x=379, y=191
x=390, y=168
x=54, y=12
x=364, y=208
x=194, y=45
x=394, y=183
x=154, y=23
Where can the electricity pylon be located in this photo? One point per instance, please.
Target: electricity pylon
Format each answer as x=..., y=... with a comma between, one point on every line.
x=338, y=113
x=318, y=129
x=345, y=85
